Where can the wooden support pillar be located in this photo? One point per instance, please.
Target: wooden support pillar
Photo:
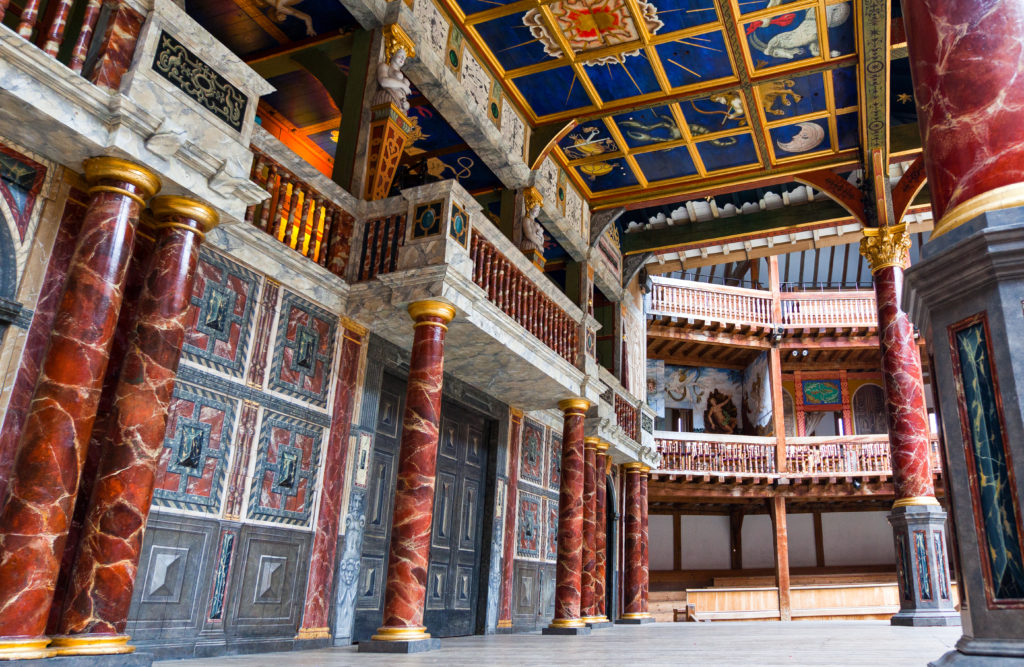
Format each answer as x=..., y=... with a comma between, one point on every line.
x=780, y=536
x=775, y=370
x=819, y=542
x=736, y=538
x=677, y=541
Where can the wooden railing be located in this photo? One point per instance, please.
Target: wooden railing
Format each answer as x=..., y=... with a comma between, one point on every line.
x=829, y=309
x=73, y=43
x=805, y=457
x=627, y=416
x=519, y=298
x=299, y=216
x=381, y=240
x=742, y=306
x=735, y=305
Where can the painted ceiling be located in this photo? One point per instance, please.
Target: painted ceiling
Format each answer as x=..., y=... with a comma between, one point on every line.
x=670, y=92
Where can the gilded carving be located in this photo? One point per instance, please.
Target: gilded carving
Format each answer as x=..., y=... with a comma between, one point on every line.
x=886, y=246
x=200, y=81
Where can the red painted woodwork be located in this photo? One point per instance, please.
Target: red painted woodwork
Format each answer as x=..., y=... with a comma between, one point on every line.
x=118, y=47
x=645, y=545
x=568, y=572
x=508, y=548
x=588, y=596
x=601, y=532
x=909, y=431
x=45, y=476
x=633, y=579
x=627, y=416
x=409, y=553
x=966, y=62
x=315, y=614
x=105, y=569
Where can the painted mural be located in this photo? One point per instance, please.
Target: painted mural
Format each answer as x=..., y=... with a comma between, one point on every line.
x=757, y=397
x=715, y=395
x=656, y=386
x=869, y=410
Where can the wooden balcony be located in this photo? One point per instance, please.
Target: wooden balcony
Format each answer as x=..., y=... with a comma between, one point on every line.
x=735, y=458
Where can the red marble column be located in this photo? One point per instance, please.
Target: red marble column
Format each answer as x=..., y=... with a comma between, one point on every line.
x=570, y=519
x=103, y=576
x=966, y=62
x=886, y=251
x=645, y=551
x=44, y=479
x=508, y=550
x=320, y=583
x=634, y=580
x=601, y=463
x=588, y=596
x=408, y=558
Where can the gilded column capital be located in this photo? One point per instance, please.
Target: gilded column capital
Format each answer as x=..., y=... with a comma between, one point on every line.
x=591, y=442
x=602, y=446
x=532, y=197
x=886, y=246
x=395, y=39
x=116, y=169
x=170, y=206
x=634, y=466
x=575, y=404
x=438, y=309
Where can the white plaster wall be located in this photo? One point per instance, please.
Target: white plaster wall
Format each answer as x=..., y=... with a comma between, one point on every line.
x=857, y=538
x=758, y=546
x=659, y=538
x=801, y=540
x=705, y=542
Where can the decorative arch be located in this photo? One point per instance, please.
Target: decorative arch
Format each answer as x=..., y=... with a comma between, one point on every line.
x=869, y=410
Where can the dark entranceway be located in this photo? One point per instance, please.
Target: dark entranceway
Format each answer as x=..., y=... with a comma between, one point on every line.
x=453, y=576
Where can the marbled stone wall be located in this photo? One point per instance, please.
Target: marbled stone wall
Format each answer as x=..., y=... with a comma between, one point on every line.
x=536, y=522
x=227, y=550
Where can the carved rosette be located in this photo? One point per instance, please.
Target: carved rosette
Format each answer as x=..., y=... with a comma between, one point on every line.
x=886, y=246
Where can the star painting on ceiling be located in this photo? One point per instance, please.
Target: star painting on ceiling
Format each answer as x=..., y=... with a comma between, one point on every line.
x=589, y=25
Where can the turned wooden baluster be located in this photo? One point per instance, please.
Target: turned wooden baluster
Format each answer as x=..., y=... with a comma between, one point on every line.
x=311, y=220
x=513, y=305
x=505, y=277
x=55, y=35
x=29, y=16
x=273, y=186
x=531, y=305
x=327, y=238
x=474, y=255
x=319, y=222
x=84, y=41
x=294, y=210
x=488, y=278
x=258, y=177
x=279, y=215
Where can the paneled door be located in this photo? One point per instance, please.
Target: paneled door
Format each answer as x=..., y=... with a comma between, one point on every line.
x=453, y=575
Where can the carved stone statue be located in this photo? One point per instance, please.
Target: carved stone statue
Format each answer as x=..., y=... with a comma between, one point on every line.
x=532, y=232
x=394, y=86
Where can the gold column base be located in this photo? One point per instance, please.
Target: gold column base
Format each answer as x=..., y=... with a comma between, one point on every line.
x=915, y=501
x=91, y=645
x=24, y=649
x=401, y=634
x=636, y=614
x=313, y=633
x=567, y=623
x=504, y=624
x=592, y=619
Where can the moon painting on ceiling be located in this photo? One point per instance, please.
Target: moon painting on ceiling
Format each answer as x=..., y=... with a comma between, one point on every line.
x=790, y=37
x=803, y=137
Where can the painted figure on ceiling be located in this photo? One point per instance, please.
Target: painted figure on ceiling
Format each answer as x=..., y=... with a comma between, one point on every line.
x=394, y=86
x=280, y=10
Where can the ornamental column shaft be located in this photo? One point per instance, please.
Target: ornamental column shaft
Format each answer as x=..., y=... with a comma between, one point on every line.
x=966, y=63
x=568, y=574
x=587, y=593
x=645, y=548
x=104, y=573
x=45, y=476
x=601, y=535
x=402, y=629
x=635, y=565
x=915, y=514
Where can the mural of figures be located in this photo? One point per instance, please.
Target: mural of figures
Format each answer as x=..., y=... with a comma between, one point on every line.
x=720, y=415
x=656, y=386
x=691, y=387
x=757, y=398
x=869, y=410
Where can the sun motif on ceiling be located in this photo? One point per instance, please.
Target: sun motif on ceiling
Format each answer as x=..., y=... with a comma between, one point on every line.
x=589, y=25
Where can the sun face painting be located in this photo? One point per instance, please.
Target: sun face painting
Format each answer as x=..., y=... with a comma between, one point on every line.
x=591, y=25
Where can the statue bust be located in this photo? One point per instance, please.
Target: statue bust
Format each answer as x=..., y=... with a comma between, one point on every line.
x=394, y=86
x=532, y=231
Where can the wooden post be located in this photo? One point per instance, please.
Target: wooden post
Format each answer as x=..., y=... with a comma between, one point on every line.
x=819, y=542
x=736, y=538
x=775, y=369
x=677, y=541
x=777, y=509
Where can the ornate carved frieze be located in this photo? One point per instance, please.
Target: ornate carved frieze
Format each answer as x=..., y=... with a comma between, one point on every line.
x=200, y=81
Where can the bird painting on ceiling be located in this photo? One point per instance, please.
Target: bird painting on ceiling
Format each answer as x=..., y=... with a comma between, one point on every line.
x=281, y=10
x=802, y=39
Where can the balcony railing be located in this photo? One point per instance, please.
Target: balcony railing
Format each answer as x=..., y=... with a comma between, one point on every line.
x=703, y=453
x=517, y=295
x=741, y=306
x=74, y=43
x=300, y=215
x=628, y=417
x=719, y=303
